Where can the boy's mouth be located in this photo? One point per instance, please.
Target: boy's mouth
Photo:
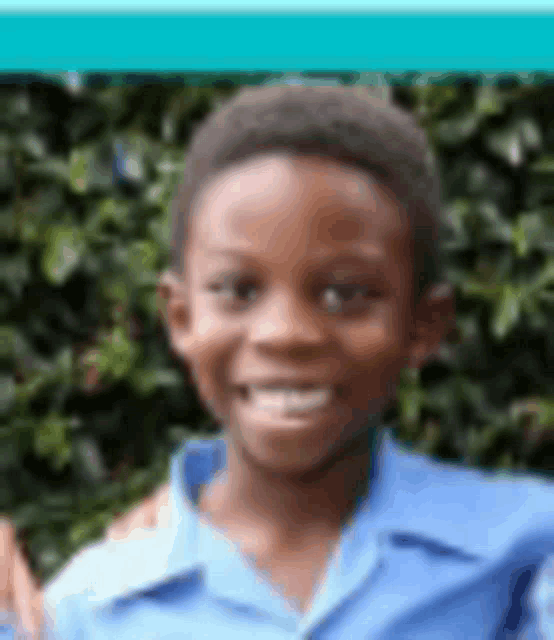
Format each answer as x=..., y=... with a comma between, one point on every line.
x=287, y=401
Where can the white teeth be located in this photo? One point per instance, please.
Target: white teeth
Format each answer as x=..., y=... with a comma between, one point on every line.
x=288, y=399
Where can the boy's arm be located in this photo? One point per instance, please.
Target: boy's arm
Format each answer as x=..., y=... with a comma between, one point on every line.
x=21, y=602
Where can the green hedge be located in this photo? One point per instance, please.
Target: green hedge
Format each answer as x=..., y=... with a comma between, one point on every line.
x=93, y=398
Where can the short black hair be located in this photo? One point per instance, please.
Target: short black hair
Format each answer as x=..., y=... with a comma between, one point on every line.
x=346, y=124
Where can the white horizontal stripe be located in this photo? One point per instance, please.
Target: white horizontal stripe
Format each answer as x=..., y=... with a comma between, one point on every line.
x=283, y=5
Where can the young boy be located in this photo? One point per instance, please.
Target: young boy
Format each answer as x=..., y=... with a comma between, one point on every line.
x=305, y=278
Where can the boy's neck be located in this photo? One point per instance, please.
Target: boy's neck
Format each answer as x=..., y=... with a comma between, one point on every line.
x=286, y=510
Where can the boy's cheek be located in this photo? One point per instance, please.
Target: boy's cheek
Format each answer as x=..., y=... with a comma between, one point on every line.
x=374, y=370
x=210, y=364
x=212, y=393
x=373, y=346
x=210, y=335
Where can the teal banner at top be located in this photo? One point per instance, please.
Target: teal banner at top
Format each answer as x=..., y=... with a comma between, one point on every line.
x=274, y=6
x=246, y=42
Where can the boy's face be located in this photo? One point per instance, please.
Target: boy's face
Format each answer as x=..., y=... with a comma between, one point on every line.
x=299, y=271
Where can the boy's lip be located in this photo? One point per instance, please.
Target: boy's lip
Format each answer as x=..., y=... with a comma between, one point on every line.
x=284, y=382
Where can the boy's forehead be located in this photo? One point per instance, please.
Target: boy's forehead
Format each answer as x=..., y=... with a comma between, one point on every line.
x=292, y=175
x=314, y=197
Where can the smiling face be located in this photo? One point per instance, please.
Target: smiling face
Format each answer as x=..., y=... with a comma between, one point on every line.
x=298, y=273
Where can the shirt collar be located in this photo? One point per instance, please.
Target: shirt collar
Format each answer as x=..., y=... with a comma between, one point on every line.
x=401, y=505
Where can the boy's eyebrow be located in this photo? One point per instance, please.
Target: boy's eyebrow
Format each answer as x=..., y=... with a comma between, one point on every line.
x=374, y=259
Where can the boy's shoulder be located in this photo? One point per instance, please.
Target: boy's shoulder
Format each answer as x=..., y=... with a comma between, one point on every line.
x=114, y=567
x=112, y=570
x=117, y=569
x=482, y=511
x=94, y=571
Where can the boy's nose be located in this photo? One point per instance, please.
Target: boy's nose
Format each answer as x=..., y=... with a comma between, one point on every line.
x=285, y=322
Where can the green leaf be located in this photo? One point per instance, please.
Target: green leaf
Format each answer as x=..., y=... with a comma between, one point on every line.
x=544, y=279
x=52, y=440
x=410, y=402
x=97, y=358
x=433, y=99
x=143, y=381
x=120, y=351
x=5, y=143
x=545, y=164
x=91, y=458
x=547, y=296
x=20, y=103
x=7, y=392
x=472, y=393
x=456, y=213
x=146, y=381
x=541, y=409
x=531, y=134
x=81, y=533
x=132, y=149
x=8, y=228
x=141, y=262
x=506, y=461
x=478, y=177
x=468, y=325
x=81, y=163
x=114, y=210
x=489, y=101
x=115, y=289
x=32, y=386
x=62, y=254
x=16, y=273
x=495, y=226
x=7, y=341
x=155, y=193
x=442, y=397
x=527, y=231
x=506, y=144
x=160, y=232
x=49, y=557
x=53, y=168
x=486, y=291
x=507, y=312
x=457, y=130
x=33, y=144
x=64, y=361
x=473, y=444
x=148, y=300
x=9, y=453
x=108, y=211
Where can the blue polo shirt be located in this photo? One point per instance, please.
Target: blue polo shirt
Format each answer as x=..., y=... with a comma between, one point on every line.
x=434, y=552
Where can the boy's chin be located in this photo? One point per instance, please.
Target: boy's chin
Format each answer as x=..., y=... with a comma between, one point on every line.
x=301, y=454
x=286, y=463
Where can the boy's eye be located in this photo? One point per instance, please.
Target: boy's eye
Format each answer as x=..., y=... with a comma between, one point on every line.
x=246, y=291
x=335, y=298
x=235, y=290
x=343, y=298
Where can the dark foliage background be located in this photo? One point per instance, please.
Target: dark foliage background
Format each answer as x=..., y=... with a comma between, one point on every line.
x=92, y=398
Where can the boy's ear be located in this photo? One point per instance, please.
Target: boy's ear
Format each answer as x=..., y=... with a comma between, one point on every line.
x=172, y=304
x=434, y=320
